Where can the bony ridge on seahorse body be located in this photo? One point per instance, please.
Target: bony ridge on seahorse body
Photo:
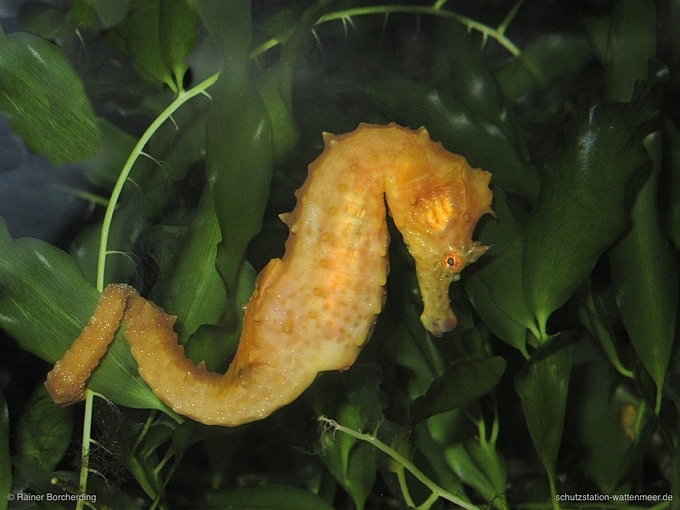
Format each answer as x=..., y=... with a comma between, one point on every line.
x=313, y=309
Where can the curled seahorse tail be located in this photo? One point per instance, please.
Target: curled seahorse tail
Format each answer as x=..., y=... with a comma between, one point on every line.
x=247, y=392
x=66, y=381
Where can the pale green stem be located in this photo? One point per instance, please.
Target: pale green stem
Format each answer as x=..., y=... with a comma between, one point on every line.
x=137, y=151
x=85, y=449
x=471, y=24
x=400, y=459
x=127, y=168
x=509, y=17
x=404, y=487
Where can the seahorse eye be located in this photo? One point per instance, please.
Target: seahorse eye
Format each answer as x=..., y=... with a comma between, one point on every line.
x=453, y=261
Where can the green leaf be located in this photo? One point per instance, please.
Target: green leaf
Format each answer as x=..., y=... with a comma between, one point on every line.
x=107, y=13
x=353, y=466
x=215, y=345
x=239, y=152
x=5, y=464
x=45, y=430
x=42, y=19
x=646, y=278
x=178, y=26
x=480, y=465
x=468, y=78
x=598, y=415
x=582, y=206
x=672, y=184
x=138, y=35
x=281, y=25
x=35, y=278
x=462, y=383
x=263, y=497
x=44, y=99
x=631, y=44
x=196, y=292
x=285, y=132
x=596, y=316
x=547, y=60
x=542, y=387
x=495, y=286
x=357, y=399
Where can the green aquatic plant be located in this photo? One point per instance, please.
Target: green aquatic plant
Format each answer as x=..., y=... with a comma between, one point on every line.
x=194, y=120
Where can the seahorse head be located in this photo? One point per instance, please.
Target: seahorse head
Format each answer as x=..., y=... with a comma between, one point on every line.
x=438, y=198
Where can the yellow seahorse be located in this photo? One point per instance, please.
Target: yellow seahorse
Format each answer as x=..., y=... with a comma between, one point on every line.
x=314, y=309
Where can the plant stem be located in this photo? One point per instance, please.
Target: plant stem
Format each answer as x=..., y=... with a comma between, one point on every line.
x=407, y=464
x=137, y=151
x=85, y=449
x=485, y=30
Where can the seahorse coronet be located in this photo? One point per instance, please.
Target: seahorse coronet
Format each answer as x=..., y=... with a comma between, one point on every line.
x=314, y=309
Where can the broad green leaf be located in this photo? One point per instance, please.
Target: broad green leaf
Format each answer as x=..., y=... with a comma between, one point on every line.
x=138, y=36
x=44, y=99
x=177, y=29
x=406, y=352
x=284, y=129
x=582, y=206
x=263, y=497
x=35, y=279
x=459, y=129
x=5, y=464
x=109, y=14
x=468, y=78
x=45, y=301
x=352, y=465
x=546, y=61
x=542, y=387
x=45, y=430
x=143, y=462
x=281, y=25
x=196, y=292
x=631, y=44
x=357, y=399
x=645, y=276
x=594, y=316
x=495, y=286
x=479, y=464
x=597, y=418
x=462, y=383
x=42, y=19
x=214, y=344
x=239, y=153
x=672, y=184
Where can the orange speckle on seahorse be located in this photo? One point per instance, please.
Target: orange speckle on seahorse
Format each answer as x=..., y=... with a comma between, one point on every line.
x=337, y=247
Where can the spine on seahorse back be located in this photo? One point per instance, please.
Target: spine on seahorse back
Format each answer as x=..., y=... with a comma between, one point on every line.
x=314, y=309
